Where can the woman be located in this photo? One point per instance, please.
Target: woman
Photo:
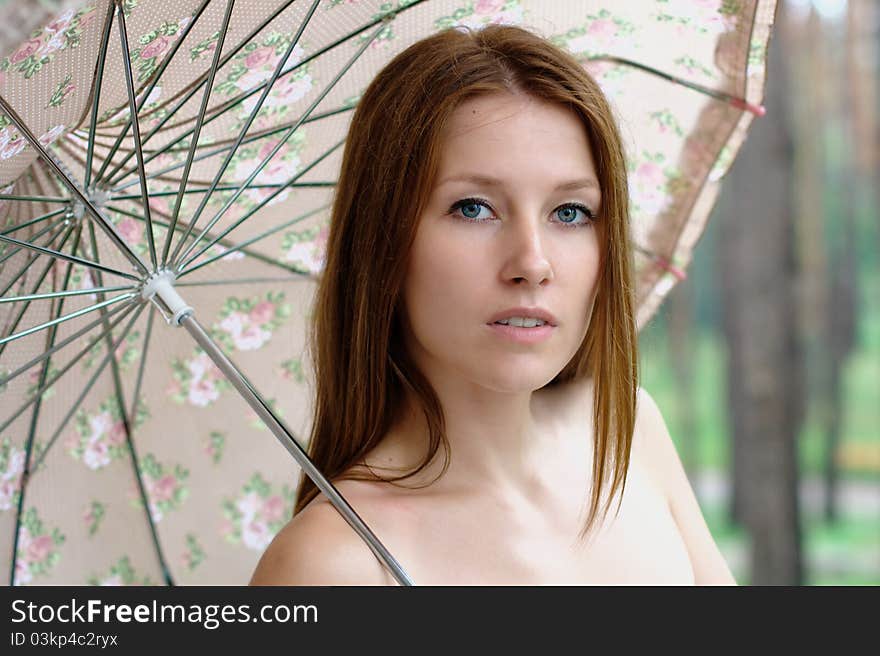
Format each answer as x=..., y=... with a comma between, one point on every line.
x=475, y=344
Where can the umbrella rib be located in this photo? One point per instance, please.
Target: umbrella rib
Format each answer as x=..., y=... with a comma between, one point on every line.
x=35, y=199
x=67, y=340
x=149, y=88
x=256, y=238
x=183, y=261
x=238, y=281
x=112, y=177
x=99, y=83
x=225, y=243
x=66, y=317
x=60, y=224
x=267, y=132
x=286, y=438
x=22, y=273
x=141, y=366
x=80, y=195
x=127, y=425
x=739, y=103
x=194, y=141
x=86, y=389
x=135, y=128
x=255, y=137
x=50, y=341
x=164, y=194
x=37, y=393
x=232, y=103
x=182, y=265
x=73, y=292
x=241, y=135
x=69, y=258
x=31, y=222
x=34, y=289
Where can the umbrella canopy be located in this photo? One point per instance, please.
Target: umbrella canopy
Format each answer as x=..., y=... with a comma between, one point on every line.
x=132, y=451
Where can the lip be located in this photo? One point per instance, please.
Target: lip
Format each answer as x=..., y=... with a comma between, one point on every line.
x=523, y=335
x=536, y=312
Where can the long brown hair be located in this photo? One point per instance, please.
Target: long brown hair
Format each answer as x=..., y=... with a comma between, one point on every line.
x=391, y=156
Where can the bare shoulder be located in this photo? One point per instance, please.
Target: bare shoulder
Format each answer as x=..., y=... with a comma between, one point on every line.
x=653, y=446
x=319, y=547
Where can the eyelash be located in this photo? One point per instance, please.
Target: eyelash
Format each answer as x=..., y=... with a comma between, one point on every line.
x=464, y=202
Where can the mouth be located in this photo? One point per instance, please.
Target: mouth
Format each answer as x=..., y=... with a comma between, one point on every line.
x=522, y=334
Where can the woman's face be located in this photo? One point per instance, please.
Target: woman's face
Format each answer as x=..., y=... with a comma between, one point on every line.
x=505, y=228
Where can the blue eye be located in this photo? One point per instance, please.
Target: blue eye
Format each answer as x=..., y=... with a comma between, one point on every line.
x=470, y=208
x=567, y=214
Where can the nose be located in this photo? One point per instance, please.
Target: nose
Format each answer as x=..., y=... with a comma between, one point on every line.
x=527, y=261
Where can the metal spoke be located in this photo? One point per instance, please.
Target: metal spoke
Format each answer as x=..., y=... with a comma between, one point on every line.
x=37, y=393
x=69, y=258
x=56, y=168
x=87, y=388
x=243, y=132
x=222, y=149
x=289, y=442
x=223, y=242
x=126, y=423
x=142, y=365
x=112, y=176
x=67, y=317
x=35, y=199
x=235, y=102
x=29, y=444
x=34, y=289
x=31, y=222
x=194, y=141
x=67, y=340
x=60, y=224
x=136, y=130
x=164, y=194
x=99, y=82
x=157, y=75
x=73, y=292
x=250, y=241
x=182, y=264
x=238, y=281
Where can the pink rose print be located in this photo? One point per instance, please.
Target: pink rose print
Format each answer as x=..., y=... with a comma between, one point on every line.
x=273, y=509
x=650, y=173
x=163, y=489
x=13, y=148
x=267, y=148
x=51, y=135
x=485, y=7
x=28, y=48
x=602, y=29
x=61, y=23
x=39, y=548
x=262, y=313
x=116, y=436
x=261, y=57
x=130, y=230
x=155, y=48
x=202, y=392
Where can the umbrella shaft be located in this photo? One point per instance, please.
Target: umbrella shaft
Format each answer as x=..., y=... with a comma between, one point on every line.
x=287, y=440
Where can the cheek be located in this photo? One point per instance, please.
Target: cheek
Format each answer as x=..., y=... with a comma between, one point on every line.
x=442, y=283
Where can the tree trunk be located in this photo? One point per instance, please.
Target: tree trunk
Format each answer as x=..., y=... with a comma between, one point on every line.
x=760, y=318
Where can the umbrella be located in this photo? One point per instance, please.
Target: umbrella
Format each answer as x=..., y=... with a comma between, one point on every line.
x=166, y=171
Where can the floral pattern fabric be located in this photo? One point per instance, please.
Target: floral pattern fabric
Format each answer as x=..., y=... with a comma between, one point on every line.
x=194, y=460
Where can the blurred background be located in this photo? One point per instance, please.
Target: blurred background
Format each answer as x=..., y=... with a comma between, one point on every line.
x=766, y=360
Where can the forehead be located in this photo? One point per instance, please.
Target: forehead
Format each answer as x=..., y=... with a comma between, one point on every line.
x=515, y=137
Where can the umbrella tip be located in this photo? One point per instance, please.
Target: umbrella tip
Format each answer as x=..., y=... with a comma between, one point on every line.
x=757, y=110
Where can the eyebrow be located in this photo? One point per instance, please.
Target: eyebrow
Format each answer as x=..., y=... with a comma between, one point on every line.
x=572, y=185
